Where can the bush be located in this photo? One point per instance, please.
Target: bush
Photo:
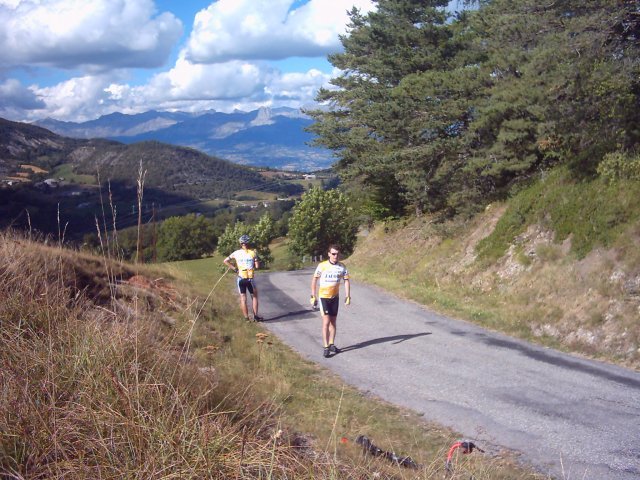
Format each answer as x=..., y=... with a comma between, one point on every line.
x=185, y=238
x=320, y=219
x=594, y=213
x=619, y=166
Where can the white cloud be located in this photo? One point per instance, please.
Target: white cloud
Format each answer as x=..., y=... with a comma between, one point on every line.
x=13, y=95
x=224, y=86
x=186, y=87
x=188, y=81
x=300, y=87
x=235, y=37
x=78, y=99
x=96, y=34
x=267, y=29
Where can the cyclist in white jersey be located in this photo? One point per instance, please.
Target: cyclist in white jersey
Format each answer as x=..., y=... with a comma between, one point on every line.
x=328, y=275
x=247, y=262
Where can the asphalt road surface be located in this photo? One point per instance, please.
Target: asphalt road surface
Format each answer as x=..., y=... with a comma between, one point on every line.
x=570, y=418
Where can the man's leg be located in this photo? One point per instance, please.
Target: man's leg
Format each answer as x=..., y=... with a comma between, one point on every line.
x=332, y=328
x=253, y=290
x=254, y=297
x=326, y=330
x=326, y=323
x=243, y=305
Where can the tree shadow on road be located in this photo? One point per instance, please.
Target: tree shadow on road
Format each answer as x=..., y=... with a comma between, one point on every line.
x=395, y=339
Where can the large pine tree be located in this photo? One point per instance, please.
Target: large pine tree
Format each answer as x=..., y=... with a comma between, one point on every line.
x=445, y=114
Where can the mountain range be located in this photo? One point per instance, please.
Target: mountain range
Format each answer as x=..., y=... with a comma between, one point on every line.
x=171, y=169
x=45, y=177
x=266, y=137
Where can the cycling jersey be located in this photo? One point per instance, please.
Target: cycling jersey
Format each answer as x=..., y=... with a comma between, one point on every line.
x=330, y=275
x=245, y=259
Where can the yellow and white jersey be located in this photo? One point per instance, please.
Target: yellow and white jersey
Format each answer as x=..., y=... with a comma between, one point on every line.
x=329, y=275
x=245, y=260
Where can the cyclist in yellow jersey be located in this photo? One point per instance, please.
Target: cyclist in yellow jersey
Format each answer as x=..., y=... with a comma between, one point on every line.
x=326, y=283
x=246, y=263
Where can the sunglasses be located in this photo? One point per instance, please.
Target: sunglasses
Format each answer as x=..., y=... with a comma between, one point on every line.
x=334, y=253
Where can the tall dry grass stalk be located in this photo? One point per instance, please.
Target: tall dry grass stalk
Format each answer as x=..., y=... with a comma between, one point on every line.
x=140, y=191
x=89, y=392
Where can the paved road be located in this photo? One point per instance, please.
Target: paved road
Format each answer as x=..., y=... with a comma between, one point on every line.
x=560, y=412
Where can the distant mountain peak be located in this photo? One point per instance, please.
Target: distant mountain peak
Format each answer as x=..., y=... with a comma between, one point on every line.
x=270, y=136
x=263, y=117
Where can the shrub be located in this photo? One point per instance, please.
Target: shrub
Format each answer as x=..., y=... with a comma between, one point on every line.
x=617, y=166
x=320, y=219
x=185, y=238
x=593, y=213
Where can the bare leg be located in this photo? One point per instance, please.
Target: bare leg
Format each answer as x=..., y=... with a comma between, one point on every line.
x=243, y=305
x=328, y=329
x=254, y=298
x=332, y=329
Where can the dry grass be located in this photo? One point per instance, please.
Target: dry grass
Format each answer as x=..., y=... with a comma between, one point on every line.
x=100, y=386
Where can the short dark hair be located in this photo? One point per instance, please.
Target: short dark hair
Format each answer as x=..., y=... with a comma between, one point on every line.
x=333, y=246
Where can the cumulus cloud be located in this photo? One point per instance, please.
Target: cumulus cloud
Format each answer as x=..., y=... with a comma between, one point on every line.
x=300, y=87
x=230, y=80
x=186, y=87
x=224, y=66
x=96, y=34
x=79, y=98
x=225, y=86
x=268, y=29
x=13, y=95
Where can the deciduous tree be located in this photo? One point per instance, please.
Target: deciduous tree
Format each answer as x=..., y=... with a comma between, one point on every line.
x=320, y=219
x=185, y=238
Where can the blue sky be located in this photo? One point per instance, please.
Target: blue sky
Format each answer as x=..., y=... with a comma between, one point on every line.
x=75, y=60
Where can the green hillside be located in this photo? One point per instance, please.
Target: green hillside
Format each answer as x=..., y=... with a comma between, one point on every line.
x=175, y=170
x=94, y=176
x=557, y=264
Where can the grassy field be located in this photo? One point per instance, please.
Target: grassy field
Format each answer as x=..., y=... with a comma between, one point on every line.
x=66, y=171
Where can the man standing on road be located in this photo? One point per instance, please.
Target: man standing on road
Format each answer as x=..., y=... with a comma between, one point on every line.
x=330, y=272
x=246, y=262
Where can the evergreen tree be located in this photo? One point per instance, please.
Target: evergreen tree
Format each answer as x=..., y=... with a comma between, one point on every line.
x=365, y=125
x=446, y=114
x=564, y=85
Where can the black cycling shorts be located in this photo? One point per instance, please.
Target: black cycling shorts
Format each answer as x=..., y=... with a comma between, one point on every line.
x=245, y=284
x=329, y=306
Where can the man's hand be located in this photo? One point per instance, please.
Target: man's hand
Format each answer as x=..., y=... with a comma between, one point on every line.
x=313, y=301
x=347, y=300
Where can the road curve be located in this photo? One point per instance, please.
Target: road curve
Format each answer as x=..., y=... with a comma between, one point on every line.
x=563, y=413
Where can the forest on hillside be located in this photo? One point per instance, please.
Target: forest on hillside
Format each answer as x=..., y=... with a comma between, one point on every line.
x=441, y=112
